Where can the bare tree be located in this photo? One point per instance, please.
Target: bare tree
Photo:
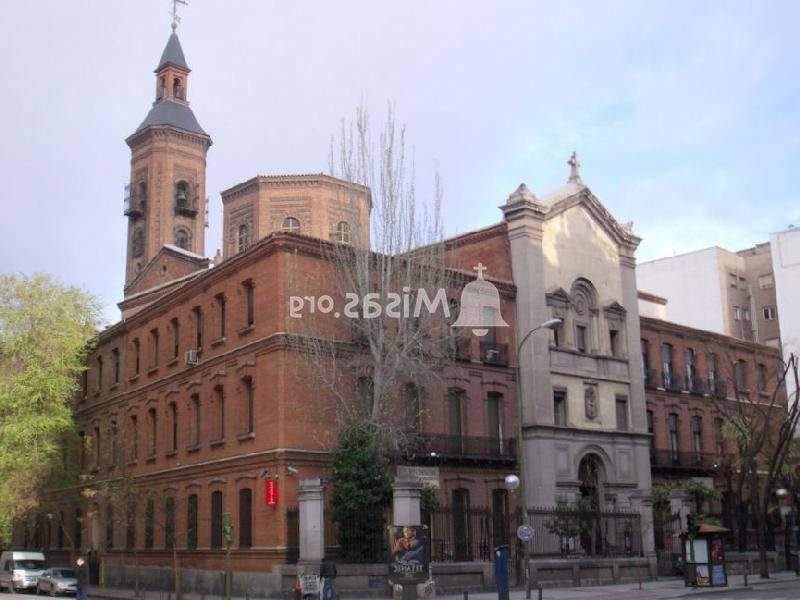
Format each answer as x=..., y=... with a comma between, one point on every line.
x=388, y=283
x=763, y=427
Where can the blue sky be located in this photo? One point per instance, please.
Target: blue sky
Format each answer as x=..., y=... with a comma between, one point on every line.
x=685, y=115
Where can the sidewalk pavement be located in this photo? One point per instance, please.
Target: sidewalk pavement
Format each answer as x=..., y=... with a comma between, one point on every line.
x=662, y=589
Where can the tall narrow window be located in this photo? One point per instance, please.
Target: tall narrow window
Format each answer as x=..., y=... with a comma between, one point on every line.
x=191, y=522
x=560, y=408
x=153, y=348
x=740, y=370
x=114, y=444
x=176, y=337
x=666, y=363
x=672, y=423
x=645, y=358
x=494, y=422
x=134, y=436
x=245, y=518
x=152, y=418
x=697, y=436
x=651, y=431
x=149, y=523
x=762, y=378
x=61, y=529
x=198, y=327
x=249, y=300
x=220, y=397
x=719, y=440
x=99, y=372
x=455, y=401
x=130, y=527
x=216, y=519
x=461, y=526
x=109, y=527
x=249, y=408
x=221, y=314
x=622, y=413
x=711, y=362
x=412, y=408
x=196, y=409
x=115, y=360
x=82, y=442
x=137, y=357
x=169, y=523
x=77, y=532
x=580, y=338
x=613, y=340
x=173, y=417
x=85, y=382
x=690, y=370
x=97, y=447
x=243, y=238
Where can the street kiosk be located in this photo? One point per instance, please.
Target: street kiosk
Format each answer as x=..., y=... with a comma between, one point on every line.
x=703, y=550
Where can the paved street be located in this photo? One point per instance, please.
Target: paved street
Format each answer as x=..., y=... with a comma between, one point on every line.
x=789, y=590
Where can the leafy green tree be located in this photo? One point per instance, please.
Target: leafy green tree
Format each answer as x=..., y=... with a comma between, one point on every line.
x=362, y=491
x=45, y=328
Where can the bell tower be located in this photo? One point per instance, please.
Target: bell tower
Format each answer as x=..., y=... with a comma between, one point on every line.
x=165, y=199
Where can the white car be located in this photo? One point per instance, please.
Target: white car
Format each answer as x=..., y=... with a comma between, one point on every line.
x=20, y=570
x=58, y=580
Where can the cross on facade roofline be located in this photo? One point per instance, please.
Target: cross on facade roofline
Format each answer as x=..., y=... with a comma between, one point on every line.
x=480, y=269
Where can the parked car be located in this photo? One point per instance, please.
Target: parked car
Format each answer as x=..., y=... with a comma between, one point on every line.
x=58, y=580
x=20, y=570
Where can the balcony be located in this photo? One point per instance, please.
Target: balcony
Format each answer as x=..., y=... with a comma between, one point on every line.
x=695, y=385
x=673, y=382
x=684, y=461
x=650, y=379
x=435, y=448
x=717, y=388
x=459, y=349
x=495, y=354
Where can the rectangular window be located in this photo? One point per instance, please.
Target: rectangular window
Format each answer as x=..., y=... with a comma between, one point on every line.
x=130, y=527
x=115, y=360
x=196, y=408
x=580, y=338
x=769, y=313
x=198, y=327
x=114, y=444
x=762, y=378
x=622, y=413
x=560, y=408
x=250, y=300
x=672, y=424
x=411, y=405
x=718, y=437
x=697, y=435
x=249, y=407
x=737, y=313
x=99, y=372
x=173, y=413
x=77, y=533
x=137, y=357
x=216, y=519
x=746, y=314
x=220, y=391
x=109, y=527
x=740, y=370
x=191, y=522
x=493, y=422
x=711, y=363
x=651, y=431
x=245, y=518
x=152, y=418
x=154, y=347
x=97, y=447
x=169, y=523
x=149, y=523
x=613, y=339
x=134, y=436
x=733, y=279
x=221, y=313
x=176, y=337
x=666, y=363
x=766, y=282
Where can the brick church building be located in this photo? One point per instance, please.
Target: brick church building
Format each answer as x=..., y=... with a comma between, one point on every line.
x=198, y=393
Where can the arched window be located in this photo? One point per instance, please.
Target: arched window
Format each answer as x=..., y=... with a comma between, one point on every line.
x=584, y=311
x=182, y=239
x=182, y=194
x=141, y=195
x=342, y=233
x=291, y=225
x=177, y=88
x=243, y=237
x=137, y=242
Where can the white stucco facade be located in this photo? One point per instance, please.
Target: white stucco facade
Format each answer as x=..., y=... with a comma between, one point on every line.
x=785, y=247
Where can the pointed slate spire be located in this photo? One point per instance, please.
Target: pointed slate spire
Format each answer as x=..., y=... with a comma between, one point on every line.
x=173, y=54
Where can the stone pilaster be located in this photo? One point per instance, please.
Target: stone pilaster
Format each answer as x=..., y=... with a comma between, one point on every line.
x=406, y=501
x=310, y=496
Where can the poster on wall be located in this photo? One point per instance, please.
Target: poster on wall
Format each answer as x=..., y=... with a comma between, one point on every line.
x=409, y=554
x=701, y=576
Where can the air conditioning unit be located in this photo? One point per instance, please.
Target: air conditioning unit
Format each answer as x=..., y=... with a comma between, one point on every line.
x=191, y=356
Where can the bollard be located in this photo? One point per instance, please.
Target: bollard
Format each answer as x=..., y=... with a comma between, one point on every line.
x=746, y=573
x=466, y=595
x=540, y=592
x=639, y=575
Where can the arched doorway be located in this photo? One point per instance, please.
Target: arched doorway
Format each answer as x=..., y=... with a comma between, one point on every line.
x=591, y=478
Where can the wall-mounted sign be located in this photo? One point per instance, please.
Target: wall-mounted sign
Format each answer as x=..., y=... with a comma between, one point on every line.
x=427, y=476
x=271, y=492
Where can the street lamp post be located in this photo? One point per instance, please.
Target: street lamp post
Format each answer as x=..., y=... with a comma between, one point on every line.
x=549, y=324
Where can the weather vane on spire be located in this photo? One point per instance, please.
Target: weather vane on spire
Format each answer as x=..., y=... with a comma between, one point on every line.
x=175, y=18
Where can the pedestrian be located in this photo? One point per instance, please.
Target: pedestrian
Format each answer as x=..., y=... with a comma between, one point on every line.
x=82, y=577
x=327, y=572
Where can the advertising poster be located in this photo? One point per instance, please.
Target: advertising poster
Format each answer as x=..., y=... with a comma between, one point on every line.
x=409, y=554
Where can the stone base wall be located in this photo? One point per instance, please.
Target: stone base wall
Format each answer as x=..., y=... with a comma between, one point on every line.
x=591, y=571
